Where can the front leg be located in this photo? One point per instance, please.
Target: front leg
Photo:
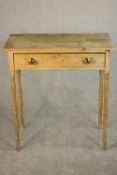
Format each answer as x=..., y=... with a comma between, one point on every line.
x=105, y=108
x=15, y=113
x=14, y=101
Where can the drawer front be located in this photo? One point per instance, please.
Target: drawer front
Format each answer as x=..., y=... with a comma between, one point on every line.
x=59, y=61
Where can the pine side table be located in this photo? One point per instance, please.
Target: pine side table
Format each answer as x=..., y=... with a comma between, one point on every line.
x=59, y=51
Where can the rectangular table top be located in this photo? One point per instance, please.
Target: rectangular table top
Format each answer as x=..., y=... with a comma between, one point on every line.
x=57, y=41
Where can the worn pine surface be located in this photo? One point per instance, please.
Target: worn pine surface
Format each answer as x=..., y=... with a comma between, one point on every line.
x=57, y=41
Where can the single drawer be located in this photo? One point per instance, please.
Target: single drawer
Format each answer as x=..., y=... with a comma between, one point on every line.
x=59, y=60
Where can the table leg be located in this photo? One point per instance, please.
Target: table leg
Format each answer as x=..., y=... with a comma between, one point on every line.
x=100, y=100
x=14, y=101
x=105, y=106
x=20, y=100
x=105, y=110
x=15, y=115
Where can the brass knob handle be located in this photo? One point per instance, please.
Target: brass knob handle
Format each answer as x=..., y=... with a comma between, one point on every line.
x=32, y=61
x=88, y=60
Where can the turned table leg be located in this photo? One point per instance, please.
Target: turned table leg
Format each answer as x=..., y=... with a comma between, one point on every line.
x=100, y=100
x=20, y=100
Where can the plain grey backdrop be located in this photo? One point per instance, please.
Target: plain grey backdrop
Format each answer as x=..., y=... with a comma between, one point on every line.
x=60, y=107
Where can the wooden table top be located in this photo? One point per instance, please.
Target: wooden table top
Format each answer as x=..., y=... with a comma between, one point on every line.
x=57, y=41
